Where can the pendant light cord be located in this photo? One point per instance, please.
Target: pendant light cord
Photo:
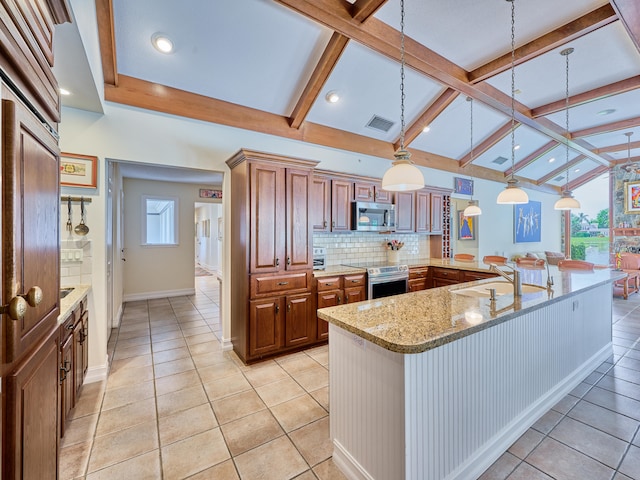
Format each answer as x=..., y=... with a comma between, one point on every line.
x=401, y=74
x=566, y=109
x=513, y=86
x=471, y=137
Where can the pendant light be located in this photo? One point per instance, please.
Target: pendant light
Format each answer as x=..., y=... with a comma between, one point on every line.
x=403, y=176
x=567, y=202
x=472, y=210
x=629, y=166
x=512, y=194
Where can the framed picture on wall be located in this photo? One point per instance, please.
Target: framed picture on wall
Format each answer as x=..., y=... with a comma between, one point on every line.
x=632, y=197
x=463, y=185
x=78, y=170
x=466, y=226
x=527, y=222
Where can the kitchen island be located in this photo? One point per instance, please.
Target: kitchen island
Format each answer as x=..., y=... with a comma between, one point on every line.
x=438, y=384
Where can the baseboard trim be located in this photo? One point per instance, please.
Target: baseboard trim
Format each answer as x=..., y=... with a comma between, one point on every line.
x=99, y=373
x=134, y=297
x=347, y=464
x=118, y=318
x=226, y=344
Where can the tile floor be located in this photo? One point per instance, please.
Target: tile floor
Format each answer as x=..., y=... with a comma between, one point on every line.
x=175, y=406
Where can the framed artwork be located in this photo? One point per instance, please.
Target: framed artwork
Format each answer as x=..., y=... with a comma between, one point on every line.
x=78, y=170
x=527, y=222
x=632, y=197
x=463, y=185
x=206, y=193
x=467, y=226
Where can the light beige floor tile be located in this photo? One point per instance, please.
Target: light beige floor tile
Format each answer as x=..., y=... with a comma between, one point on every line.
x=169, y=344
x=261, y=375
x=313, y=441
x=131, y=362
x=296, y=362
x=181, y=400
x=73, y=460
x=222, y=471
x=177, y=382
x=610, y=422
x=126, y=416
x=123, y=445
x=526, y=443
x=202, y=338
x=117, y=397
x=322, y=397
x=170, y=355
x=134, y=351
x=89, y=401
x=275, y=460
x=313, y=378
x=279, y=391
x=501, y=468
x=194, y=454
x=205, y=347
x=308, y=475
x=237, y=406
x=226, y=386
x=211, y=373
x=631, y=463
x=164, y=336
x=173, y=367
x=129, y=376
x=165, y=327
x=560, y=461
x=549, y=420
x=209, y=358
x=186, y=423
x=142, y=467
x=524, y=471
x=251, y=431
x=321, y=357
x=298, y=412
x=79, y=430
x=132, y=342
x=195, y=330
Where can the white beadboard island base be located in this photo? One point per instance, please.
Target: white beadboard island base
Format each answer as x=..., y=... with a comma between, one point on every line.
x=449, y=412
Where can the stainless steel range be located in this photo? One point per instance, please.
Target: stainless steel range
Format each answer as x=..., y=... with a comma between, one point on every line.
x=385, y=279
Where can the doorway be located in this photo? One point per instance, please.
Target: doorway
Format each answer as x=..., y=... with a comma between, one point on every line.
x=208, y=238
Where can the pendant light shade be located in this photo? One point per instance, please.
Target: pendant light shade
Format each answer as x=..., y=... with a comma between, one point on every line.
x=566, y=202
x=473, y=210
x=512, y=194
x=403, y=176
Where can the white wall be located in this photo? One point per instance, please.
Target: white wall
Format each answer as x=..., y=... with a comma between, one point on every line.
x=208, y=248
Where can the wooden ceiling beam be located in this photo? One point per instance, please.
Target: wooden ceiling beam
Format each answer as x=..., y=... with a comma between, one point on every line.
x=609, y=127
x=618, y=148
x=587, y=177
x=428, y=116
x=599, y=93
x=622, y=161
x=561, y=169
x=532, y=157
x=485, y=145
x=361, y=10
x=629, y=13
x=577, y=28
x=328, y=60
x=106, y=37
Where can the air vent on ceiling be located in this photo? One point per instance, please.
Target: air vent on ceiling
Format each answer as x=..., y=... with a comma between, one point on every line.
x=380, y=123
x=558, y=178
x=500, y=160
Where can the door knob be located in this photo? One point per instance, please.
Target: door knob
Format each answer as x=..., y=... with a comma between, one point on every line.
x=16, y=308
x=33, y=296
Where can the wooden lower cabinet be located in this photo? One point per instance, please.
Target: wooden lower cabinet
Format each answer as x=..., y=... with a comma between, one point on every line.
x=337, y=290
x=66, y=382
x=300, y=328
x=265, y=325
x=418, y=279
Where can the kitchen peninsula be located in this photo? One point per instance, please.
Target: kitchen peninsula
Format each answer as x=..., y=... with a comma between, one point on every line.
x=437, y=384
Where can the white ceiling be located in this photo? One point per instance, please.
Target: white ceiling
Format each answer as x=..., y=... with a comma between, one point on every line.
x=261, y=54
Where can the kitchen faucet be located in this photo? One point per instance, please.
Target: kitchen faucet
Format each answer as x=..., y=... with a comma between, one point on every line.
x=513, y=278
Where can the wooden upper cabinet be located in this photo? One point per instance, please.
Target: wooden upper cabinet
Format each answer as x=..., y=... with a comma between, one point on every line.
x=267, y=222
x=370, y=192
x=437, y=205
x=382, y=196
x=423, y=211
x=299, y=248
x=320, y=204
x=340, y=205
x=405, y=217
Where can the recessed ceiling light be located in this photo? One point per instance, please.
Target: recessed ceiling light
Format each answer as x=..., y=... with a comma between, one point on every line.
x=577, y=170
x=552, y=159
x=426, y=129
x=64, y=91
x=162, y=43
x=332, y=97
x=608, y=111
x=517, y=147
x=517, y=91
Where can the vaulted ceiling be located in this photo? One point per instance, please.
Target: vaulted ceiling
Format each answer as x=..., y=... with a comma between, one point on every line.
x=268, y=65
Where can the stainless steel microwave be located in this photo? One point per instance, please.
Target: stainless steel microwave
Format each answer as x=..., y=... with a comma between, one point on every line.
x=373, y=217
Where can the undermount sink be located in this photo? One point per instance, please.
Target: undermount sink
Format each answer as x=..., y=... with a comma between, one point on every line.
x=65, y=291
x=502, y=288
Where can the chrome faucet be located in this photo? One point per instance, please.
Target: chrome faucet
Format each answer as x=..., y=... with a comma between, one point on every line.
x=513, y=278
x=549, y=278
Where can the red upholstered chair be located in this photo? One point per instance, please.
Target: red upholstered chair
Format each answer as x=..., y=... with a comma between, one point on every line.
x=530, y=262
x=464, y=257
x=575, y=265
x=497, y=259
x=554, y=257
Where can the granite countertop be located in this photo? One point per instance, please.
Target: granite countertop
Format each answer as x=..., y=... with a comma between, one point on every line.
x=332, y=270
x=71, y=301
x=419, y=321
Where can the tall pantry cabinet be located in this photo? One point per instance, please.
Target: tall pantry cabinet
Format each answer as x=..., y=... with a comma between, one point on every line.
x=29, y=261
x=272, y=309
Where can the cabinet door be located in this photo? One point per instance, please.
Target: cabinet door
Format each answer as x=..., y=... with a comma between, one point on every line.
x=330, y=298
x=340, y=206
x=265, y=326
x=30, y=443
x=267, y=218
x=382, y=196
x=298, y=226
x=405, y=220
x=30, y=200
x=363, y=192
x=417, y=284
x=66, y=382
x=437, y=202
x=352, y=295
x=320, y=204
x=78, y=356
x=423, y=211
x=300, y=325
x=85, y=344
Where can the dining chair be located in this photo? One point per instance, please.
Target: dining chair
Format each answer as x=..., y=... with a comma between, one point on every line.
x=464, y=257
x=528, y=262
x=497, y=259
x=574, y=265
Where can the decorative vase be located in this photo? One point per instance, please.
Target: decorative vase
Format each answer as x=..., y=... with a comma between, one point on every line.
x=393, y=256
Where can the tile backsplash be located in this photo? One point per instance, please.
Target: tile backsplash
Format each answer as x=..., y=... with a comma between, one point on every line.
x=76, y=260
x=358, y=247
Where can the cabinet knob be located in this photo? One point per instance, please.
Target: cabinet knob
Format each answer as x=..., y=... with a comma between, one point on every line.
x=33, y=296
x=288, y=260
x=288, y=307
x=355, y=281
x=277, y=309
x=339, y=300
x=333, y=224
x=283, y=283
x=369, y=193
x=324, y=224
x=328, y=284
x=277, y=262
x=16, y=308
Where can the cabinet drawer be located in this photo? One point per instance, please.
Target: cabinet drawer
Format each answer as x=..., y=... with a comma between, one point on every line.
x=262, y=285
x=418, y=284
x=358, y=280
x=415, y=273
x=446, y=273
x=468, y=276
x=329, y=283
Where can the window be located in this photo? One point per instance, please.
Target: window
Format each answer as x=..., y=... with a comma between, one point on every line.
x=160, y=220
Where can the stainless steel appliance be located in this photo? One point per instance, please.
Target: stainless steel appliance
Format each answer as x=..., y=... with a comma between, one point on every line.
x=385, y=279
x=373, y=217
x=319, y=258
